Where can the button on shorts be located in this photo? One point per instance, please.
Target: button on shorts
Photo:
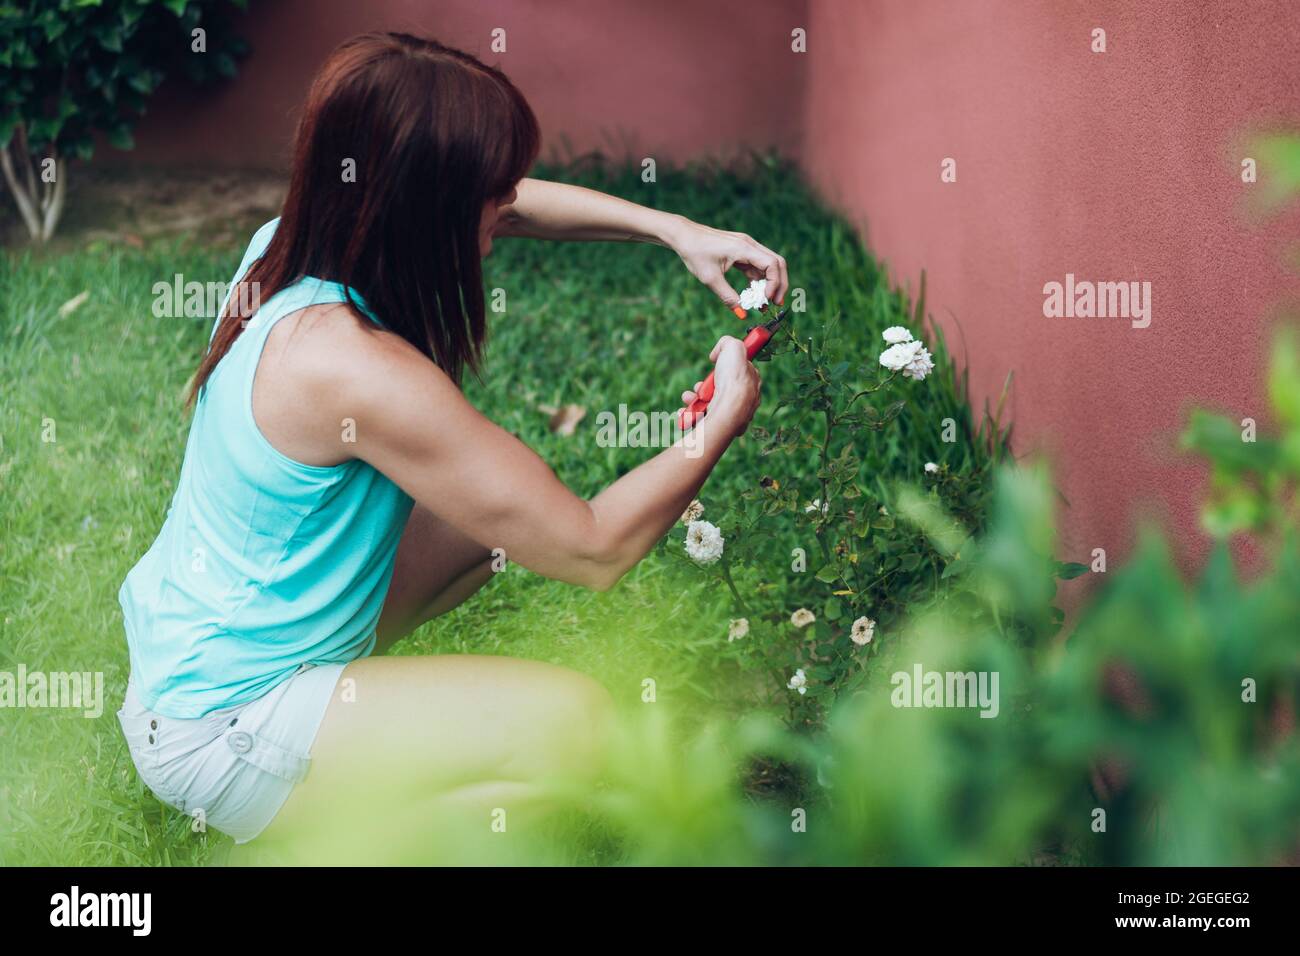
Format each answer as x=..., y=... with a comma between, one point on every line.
x=235, y=765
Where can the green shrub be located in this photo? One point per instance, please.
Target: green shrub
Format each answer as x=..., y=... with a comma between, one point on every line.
x=72, y=68
x=818, y=566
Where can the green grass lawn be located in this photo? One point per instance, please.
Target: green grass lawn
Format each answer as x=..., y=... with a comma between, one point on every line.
x=595, y=325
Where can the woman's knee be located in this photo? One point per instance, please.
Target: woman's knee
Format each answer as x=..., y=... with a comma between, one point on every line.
x=598, y=714
x=574, y=723
x=592, y=697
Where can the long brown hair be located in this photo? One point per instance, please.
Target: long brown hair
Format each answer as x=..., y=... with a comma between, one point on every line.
x=433, y=135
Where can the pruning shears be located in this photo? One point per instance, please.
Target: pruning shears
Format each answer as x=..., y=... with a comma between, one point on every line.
x=756, y=340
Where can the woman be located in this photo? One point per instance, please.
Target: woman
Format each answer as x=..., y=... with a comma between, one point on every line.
x=338, y=490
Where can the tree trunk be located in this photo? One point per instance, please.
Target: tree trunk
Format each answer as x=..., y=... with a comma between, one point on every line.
x=52, y=201
x=40, y=203
x=26, y=208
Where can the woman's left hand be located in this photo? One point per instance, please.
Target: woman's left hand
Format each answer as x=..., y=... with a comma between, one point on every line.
x=708, y=253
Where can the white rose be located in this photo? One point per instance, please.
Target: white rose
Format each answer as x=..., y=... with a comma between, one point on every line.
x=755, y=297
x=921, y=366
x=802, y=617
x=864, y=629
x=898, y=357
x=896, y=335
x=703, y=542
x=799, y=682
x=738, y=628
x=931, y=468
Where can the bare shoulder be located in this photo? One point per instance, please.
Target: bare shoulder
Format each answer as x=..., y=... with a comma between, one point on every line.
x=323, y=366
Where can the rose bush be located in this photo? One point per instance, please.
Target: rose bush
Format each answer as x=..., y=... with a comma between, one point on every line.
x=814, y=557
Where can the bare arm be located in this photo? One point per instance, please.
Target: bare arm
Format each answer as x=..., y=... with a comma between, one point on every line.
x=546, y=210
x=414, y=425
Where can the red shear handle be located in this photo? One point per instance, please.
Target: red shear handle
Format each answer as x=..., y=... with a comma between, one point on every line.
x=692, y=413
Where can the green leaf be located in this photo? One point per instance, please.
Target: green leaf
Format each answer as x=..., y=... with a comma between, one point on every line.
x=892, y=410
x=1284, y=378
x=111, y=40
x=121, y=138
x=1222, y=441
x=142, y=81
x=954, y=568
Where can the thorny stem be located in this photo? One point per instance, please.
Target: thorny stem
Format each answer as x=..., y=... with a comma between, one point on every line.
x=725, y=574
x=773, y=671
x=883, y=578
x=832, y=420
x=875, y=388
x=789, y=331
x=825, y=499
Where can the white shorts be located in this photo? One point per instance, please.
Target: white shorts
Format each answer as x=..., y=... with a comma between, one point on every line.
x=235, y=765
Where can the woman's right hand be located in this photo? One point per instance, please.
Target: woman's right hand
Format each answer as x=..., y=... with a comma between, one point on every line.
x=736, y=385
x=418, y=430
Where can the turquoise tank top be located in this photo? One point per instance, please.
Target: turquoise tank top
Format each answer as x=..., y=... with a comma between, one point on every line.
x=263, y=563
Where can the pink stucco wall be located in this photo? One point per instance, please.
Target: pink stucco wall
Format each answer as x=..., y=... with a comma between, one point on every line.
x=1114, y=166
x=672, y=79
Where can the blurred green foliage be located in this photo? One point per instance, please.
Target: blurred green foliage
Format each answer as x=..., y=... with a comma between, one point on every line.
x=1277, y=155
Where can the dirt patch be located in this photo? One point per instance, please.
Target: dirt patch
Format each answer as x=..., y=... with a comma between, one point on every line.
x=137, y=204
